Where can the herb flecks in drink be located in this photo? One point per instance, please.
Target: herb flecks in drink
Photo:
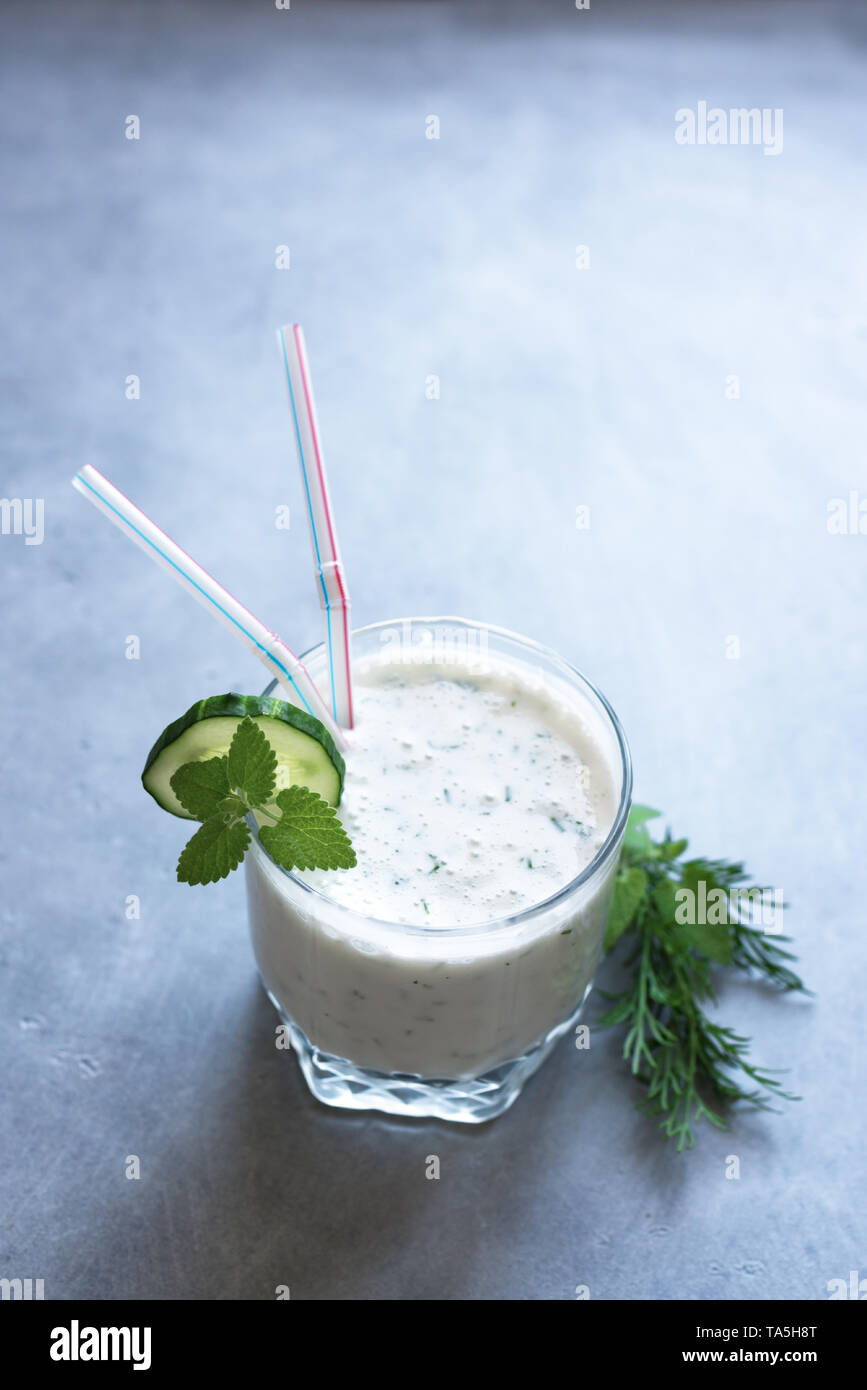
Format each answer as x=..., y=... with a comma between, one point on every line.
x=692, y=1066
x=297, y=827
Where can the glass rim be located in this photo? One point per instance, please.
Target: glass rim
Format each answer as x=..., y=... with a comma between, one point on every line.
x=526, y=914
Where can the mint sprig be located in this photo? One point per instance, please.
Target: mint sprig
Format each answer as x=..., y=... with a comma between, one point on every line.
x=303, y=830
x=200, y=787
x=252, y=763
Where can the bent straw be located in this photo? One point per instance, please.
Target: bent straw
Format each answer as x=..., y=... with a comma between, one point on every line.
x=266, y=645
x=330, y=579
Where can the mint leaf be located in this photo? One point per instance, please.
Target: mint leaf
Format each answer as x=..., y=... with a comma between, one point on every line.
x=201, y=786
x=715, y=942
x=630, y=887
x=308, y=834
x=665, y=901
x=637, y=837
x=217, y=847
x=252, y=763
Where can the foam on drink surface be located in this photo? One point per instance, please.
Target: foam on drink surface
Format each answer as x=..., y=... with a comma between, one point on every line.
x=470, y=795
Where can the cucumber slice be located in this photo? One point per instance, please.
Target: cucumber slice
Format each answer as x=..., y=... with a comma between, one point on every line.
x=306, y=752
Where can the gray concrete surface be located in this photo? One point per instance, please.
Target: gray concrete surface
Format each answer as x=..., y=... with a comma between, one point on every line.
x=603, y=387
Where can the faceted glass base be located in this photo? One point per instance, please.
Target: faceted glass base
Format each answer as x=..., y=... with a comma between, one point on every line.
x=339, y=1082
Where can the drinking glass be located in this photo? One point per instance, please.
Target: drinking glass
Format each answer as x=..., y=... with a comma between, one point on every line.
x=446, y=1021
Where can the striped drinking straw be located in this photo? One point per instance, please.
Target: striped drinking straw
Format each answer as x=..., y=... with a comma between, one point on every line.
x=330, y=580
x=266, y=645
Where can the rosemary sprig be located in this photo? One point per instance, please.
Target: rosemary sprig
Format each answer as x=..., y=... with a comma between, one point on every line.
x=681, y=919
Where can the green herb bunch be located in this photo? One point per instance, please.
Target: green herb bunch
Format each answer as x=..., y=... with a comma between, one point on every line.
x=302, y=830
x=693, y=1067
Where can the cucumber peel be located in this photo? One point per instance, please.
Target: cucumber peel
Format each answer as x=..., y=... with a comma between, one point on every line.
x=307, y=755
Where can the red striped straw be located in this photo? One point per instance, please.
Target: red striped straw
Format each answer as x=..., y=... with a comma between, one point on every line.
x=328, y=568
x=279, y=659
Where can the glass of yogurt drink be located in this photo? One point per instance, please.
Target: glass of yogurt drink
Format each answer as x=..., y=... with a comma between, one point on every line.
x=487, y=791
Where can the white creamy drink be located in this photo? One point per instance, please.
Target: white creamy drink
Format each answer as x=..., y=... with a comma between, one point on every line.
x=475, y=791
x=468, y=797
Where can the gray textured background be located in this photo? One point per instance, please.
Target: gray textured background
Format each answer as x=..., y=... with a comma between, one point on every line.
x=560, y=387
